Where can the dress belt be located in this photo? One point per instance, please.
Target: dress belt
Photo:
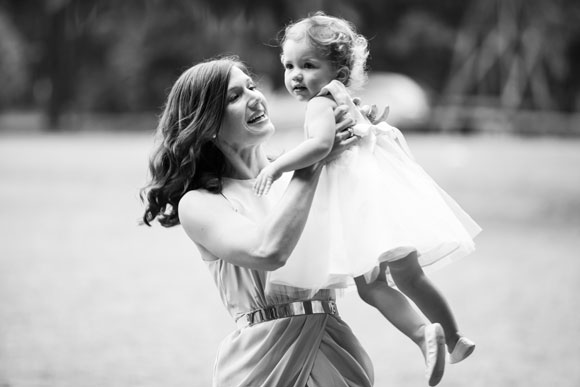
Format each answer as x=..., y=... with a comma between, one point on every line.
x=298, y=308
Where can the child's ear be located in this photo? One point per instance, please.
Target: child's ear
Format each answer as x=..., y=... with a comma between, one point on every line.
x=343, y=75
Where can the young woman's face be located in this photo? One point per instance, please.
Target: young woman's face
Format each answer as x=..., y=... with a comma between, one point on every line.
x=305, y=72
x=246, y=121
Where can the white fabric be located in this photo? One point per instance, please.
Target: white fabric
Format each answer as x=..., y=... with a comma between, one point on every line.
x=375, y=204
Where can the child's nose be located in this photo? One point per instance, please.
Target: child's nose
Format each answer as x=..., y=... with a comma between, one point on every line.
x=297, y=76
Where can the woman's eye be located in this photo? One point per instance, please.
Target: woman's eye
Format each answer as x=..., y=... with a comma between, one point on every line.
x=233, y=97
x=252, y=87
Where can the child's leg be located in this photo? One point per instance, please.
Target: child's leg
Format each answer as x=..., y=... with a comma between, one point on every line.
x=394, y=306
x=412, y=281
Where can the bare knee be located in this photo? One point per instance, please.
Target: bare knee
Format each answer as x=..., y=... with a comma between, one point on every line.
x=406, y=272
x=366, y=291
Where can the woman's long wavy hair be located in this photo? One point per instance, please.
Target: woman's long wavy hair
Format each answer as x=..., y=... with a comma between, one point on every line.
x=185, y=156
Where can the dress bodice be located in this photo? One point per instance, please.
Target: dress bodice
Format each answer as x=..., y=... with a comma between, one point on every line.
x=242, y=289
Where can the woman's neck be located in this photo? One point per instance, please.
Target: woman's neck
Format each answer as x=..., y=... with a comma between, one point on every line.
x=244, y=163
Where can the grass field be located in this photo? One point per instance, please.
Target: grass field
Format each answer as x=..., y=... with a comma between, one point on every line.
x=88, y=298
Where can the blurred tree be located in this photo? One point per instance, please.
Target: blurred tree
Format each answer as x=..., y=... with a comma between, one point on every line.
x=512, y=50
x=51, y=34
x=58, y=58
x=13, y=69
x=421, y=46
x=117, y=56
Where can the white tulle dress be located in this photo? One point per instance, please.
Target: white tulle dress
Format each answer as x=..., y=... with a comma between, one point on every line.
x=375, y=204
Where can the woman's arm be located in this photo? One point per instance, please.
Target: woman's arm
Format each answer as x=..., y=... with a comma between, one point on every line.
x=209, y=220
x=320, y=126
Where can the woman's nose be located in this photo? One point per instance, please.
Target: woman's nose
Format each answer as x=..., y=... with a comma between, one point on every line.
x=255, y=99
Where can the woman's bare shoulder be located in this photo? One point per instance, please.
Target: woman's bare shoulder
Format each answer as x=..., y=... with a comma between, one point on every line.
x=193, y=198
x=197, y=215
x=201, y=213
x=195, y=195
x=194, y=205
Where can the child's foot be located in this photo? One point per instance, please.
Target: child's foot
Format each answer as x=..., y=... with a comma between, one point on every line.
x=434, y=352
x=463, y=348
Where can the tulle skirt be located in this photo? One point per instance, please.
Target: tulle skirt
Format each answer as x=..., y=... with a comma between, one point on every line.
x=375, y=204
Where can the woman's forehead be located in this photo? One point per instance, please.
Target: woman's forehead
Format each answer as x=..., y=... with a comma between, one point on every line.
x=238, y=77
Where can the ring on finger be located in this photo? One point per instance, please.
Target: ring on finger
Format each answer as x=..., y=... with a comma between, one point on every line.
x=350, y=132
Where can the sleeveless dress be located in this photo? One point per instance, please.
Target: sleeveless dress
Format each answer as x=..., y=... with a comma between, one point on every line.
x=316, y=350
x=375, y=204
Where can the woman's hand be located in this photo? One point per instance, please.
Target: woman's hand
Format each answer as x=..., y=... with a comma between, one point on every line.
x=343, y=138
x=361, y=114
x=342, y=97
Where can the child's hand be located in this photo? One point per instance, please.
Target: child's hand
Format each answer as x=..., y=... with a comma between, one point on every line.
x=264, y=181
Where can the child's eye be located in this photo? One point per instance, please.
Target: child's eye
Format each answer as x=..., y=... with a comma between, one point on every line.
x=308, y=65
x=288, y=66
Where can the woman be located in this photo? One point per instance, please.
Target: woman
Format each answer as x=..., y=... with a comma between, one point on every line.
x=210, y=149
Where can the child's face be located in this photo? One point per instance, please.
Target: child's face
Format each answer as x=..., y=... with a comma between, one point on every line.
x=305, y=72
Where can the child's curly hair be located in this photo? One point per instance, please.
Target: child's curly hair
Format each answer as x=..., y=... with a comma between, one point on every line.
x=337, y=40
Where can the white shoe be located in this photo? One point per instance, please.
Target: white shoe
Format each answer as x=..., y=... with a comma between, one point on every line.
x=462, y=350
x=434, y=353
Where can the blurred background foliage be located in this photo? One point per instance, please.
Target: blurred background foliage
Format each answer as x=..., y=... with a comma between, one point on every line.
x=62, y=57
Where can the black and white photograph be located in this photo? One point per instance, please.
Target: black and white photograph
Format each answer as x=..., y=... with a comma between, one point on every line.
x=290, y=193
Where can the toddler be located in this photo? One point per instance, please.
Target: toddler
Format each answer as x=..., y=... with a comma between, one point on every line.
x=378, y=216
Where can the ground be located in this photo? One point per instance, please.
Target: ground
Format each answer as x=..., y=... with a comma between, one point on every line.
x=89, y=298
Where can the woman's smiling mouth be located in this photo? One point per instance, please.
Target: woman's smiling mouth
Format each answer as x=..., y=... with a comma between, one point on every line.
x=257, y=118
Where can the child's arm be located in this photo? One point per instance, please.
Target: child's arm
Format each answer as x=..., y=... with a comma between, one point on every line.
x=320, y=127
